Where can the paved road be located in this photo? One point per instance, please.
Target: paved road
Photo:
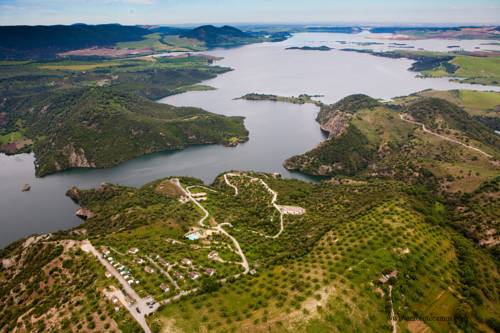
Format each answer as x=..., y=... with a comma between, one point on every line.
x=442, y=136
x=139, y=317
x=140, y=303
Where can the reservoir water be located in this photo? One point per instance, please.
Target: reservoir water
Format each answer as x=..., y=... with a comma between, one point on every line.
x=277, y=130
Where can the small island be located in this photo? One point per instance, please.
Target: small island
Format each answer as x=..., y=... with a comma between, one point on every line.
x=310, y=48
x=367, y=43
x=301, y=99
x=464, y=67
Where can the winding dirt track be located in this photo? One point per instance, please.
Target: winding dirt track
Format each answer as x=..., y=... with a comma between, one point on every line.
x=394, y=322
x=444, y=137
x=273, y=200
x=218, y=228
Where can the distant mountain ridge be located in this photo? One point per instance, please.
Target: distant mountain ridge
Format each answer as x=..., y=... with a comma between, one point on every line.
x=46, y=42
x=213, y=35
x=39, y=42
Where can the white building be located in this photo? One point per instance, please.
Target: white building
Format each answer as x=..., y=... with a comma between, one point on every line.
x=133, y=250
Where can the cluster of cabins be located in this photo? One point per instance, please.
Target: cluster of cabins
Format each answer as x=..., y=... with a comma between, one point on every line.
x=185, y=262
x=122, y=269
x=193, y=275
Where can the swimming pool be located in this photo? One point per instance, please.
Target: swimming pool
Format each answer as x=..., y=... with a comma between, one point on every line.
x=193, y=236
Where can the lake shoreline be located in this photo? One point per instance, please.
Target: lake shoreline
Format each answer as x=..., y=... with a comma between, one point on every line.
x=277, y=130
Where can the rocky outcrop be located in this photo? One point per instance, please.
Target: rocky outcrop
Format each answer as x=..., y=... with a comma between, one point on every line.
x=106, y=188
x=336, y=124
x=292, y=164
x=84, y=213
x=77, y=159
x=74, y=194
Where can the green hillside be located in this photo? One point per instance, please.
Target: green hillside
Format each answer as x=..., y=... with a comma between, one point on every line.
x=484, y=106
x=323, y=272
x=101, y=127
x=469, y=67
x=418, y=140
x=223, y=36
x=101, y=113
x=472, y=69
x=380, y=141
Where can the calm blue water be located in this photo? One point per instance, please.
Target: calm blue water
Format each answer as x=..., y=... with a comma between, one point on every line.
x=277, y=130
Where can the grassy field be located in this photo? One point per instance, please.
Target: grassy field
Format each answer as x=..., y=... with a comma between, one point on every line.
x=152, y=41
x=169, y=43
x=184, y=44
x=13, y=62
x=470, y=69
x=476, y=103
x=464, y=68
x=11, y=137
x=75, y=66
x=479, y=100
x=478, y=69
x=196, y=87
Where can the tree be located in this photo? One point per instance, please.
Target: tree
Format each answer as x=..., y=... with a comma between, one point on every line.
x=210, y=285
x=462, y=314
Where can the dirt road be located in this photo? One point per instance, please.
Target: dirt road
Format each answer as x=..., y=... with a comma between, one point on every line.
x=444, y=137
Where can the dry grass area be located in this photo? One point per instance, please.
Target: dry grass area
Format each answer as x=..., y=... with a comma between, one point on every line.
x=168, y=189
x=78, y=67
x=105, y=52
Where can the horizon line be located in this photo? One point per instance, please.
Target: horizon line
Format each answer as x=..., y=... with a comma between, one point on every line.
x=312, y=23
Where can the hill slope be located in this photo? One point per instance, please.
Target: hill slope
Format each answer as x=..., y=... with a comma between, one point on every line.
x=483, y=106
x=368, y=138
x=356, y=253
x=223, y=36
x=418, y=140
x=68, y=111
x=101, y=127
